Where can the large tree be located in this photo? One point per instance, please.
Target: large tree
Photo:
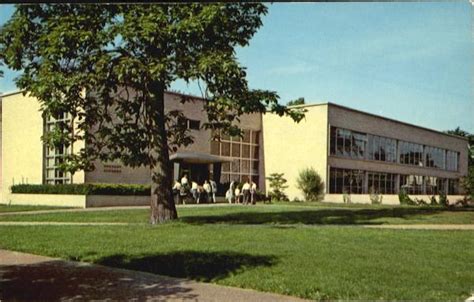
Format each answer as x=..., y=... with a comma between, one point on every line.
x=109, y=66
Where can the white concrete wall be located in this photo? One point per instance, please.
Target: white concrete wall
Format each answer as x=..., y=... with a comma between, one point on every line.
x=59, y=200
x=290, y=147
x=388, y=199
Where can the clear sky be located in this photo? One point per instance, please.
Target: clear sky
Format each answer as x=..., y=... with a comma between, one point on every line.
x=411, y=61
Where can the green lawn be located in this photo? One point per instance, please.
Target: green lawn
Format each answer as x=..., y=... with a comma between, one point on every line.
x=17, y=208
x=269, y=248
x=315, y=214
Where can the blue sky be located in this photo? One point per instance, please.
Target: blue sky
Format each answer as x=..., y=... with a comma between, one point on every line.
x=409, y=61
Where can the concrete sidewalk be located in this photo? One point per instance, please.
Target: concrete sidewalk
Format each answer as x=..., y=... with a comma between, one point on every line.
x=30, y=277
x=66, y=210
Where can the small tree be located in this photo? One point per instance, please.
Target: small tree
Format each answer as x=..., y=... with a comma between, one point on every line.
x=467, y=183
x=124, y=57
x=277, y=185
x=311, y=184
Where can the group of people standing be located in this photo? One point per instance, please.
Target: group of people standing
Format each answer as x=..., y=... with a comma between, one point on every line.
x=248, y=194
x=182, y=189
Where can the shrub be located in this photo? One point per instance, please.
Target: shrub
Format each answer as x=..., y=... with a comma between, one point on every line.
x=404, y=198
x=277, y=186
x=443, y=199
x=467, y=184
x=420, y=202
x=375, y=198
x=311, y=184
x=83, y=189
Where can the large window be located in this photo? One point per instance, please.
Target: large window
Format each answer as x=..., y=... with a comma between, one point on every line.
x=434, y=185
x=410, y=153
x=347, y=143
x=452, y=161
x=381, y=183
x=346, y=181
x=54, y=156
x=453, y=186
x=244, y=152
x=412, y=184
x=382, y=148
x=434, y=157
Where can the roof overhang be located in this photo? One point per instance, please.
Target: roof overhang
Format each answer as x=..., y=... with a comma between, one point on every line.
x=198, y=158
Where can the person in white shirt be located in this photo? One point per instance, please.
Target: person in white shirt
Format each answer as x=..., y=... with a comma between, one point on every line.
x=237, y=194
x=207, y=188
x=184, y=181
x=214, y=190
x=253, y=192
x=246, y=192
x=194, y=191
x=176, y=191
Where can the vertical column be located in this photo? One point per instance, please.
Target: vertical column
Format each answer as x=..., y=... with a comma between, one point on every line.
x=176, y=171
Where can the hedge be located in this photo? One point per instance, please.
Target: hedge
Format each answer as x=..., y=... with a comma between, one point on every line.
x=83, y=189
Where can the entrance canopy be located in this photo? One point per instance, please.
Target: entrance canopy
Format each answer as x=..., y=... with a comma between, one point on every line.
x=198, y=158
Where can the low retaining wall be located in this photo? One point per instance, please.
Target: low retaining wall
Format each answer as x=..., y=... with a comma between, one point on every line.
x=391, y=199
x=76, y=201
x=58, y=200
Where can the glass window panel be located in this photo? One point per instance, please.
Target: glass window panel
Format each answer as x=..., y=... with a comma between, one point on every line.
x=255, y=152
x=225, y=178
x=235, y=166
x=215, y=147
x=246, y=151
x=235, y=150
x=255, y=137
x=225, y=167
x=255, y=180
x=245, y=167
x=333, y=141
x=255, y=167
x=246, y=137
x=225, y=151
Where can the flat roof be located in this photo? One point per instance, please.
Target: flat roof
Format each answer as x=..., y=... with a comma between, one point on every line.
x=379, y=116
x=305, y=106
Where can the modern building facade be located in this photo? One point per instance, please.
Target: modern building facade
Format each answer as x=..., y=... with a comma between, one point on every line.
x=354, y=152
x=358, y=153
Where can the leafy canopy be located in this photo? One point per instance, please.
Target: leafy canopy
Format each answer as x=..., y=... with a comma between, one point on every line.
x=107, y=65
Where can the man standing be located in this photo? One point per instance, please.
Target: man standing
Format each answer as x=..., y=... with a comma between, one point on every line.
x=246, y=192
x=253, y=192
x=207, y=188
x=214, y=190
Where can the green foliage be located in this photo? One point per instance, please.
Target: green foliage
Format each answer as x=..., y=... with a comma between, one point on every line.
x=404, y=198
x=433, y=201
x=375, y=198
x=311, y=184
x=443, y=199
x=83, y=189
x=124, y=56
x=277, y=186
x=467, y=184
x=298, y=101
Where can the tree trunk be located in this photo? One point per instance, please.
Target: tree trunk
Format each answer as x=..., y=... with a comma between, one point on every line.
x=162, y=202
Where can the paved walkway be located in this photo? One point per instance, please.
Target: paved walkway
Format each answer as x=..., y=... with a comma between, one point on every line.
x=466, y=227
x=202, y=205
x=30, y=277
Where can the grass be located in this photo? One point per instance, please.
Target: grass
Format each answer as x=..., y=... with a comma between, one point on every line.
x=20, y=208
x=315, y=214
x=268, y=248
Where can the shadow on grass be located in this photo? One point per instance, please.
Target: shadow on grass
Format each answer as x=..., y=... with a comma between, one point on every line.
x=201, y=266
x=321, y=216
